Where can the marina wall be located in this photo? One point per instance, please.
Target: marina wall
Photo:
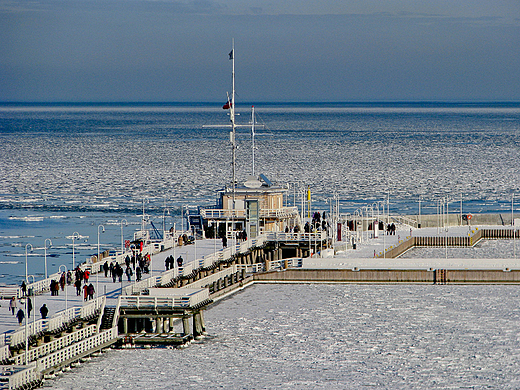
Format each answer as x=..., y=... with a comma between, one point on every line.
x=380, y=276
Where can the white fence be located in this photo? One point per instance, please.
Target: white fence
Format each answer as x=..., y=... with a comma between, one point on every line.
x=4, y=353
x=213, y=277
x=294, y=262
x=72, y=352
x=55, y=323
x=56, y=344
x=19, y=376
x=252, y=268
x=177, y=299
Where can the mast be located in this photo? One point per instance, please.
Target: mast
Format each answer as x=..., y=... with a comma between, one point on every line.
x=232, y=135
x=232, y=118
x=253, y=135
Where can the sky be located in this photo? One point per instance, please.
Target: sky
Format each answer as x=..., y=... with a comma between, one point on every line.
x=285, y=51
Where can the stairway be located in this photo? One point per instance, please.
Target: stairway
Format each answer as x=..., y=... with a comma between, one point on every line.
x=108, y=317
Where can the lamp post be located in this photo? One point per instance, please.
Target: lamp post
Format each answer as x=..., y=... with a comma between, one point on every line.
x=75, y=236
x=26, y=316
x=45, y=249
x=122, y=244
x=59, y=270
x=34, y=303
x=419, y=222
x=98, y=256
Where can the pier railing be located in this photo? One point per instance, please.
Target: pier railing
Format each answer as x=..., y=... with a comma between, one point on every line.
x=264, y=213
x=56, y=344
x=56, y=323
x=20, y=376
x=202, y=283
x=71, y=352
x=449, y=241
x=178, y=299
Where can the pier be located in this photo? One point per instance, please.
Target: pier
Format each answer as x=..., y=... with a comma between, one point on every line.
x=166, y=308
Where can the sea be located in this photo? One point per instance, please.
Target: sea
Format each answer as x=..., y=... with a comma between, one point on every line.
x=91, y=171
x=332, y=336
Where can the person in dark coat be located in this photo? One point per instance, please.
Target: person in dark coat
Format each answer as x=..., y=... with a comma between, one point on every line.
x=138, y=274
x=23, y=287
x=44, y=311
x=77, y=284
x=180, y=261
x=105, y=268
x=20, y=315
x=29, y=307
x=90, y=291
x=224, y=242
x=129, y=273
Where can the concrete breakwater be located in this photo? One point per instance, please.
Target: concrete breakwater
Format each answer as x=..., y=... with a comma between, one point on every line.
x=449, y=241
x=433, y=276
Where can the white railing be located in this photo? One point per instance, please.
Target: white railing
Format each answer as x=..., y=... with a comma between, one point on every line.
x=278, y=213
x=264, y=213
x=18, y=336
x=55, y=323
x=252, y=268
x=72, y=351
x=8, y=292
x=294, y=262
x=177, y=298
x=222, y=213
x=20, y=376
x=141, y=285
x=279, y=236
x=212, y=278
x=91, y=308
x=56, y=344
x=4, y=353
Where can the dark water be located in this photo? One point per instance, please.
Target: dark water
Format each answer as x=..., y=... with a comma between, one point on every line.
x=70, y=168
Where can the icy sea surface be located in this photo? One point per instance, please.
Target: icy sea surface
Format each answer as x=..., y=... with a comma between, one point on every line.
x=69, y=168
x=333, y=337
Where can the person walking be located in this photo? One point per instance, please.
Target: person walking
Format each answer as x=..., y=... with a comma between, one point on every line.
x=180, y=261
x=85, y=292
x=12, y=305
x=129, y=273
x=20, y=315
x=90, y=291
x=29, y=307
x=77, y=284
x=105, y=268
x=44, y=311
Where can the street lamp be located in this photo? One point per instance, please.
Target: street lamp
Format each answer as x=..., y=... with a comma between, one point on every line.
x=26, y=301
x=98, y=255
x=45, y=248
x=75, y=236
x=122, y=246
x=59, y=270
x=34, y=303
